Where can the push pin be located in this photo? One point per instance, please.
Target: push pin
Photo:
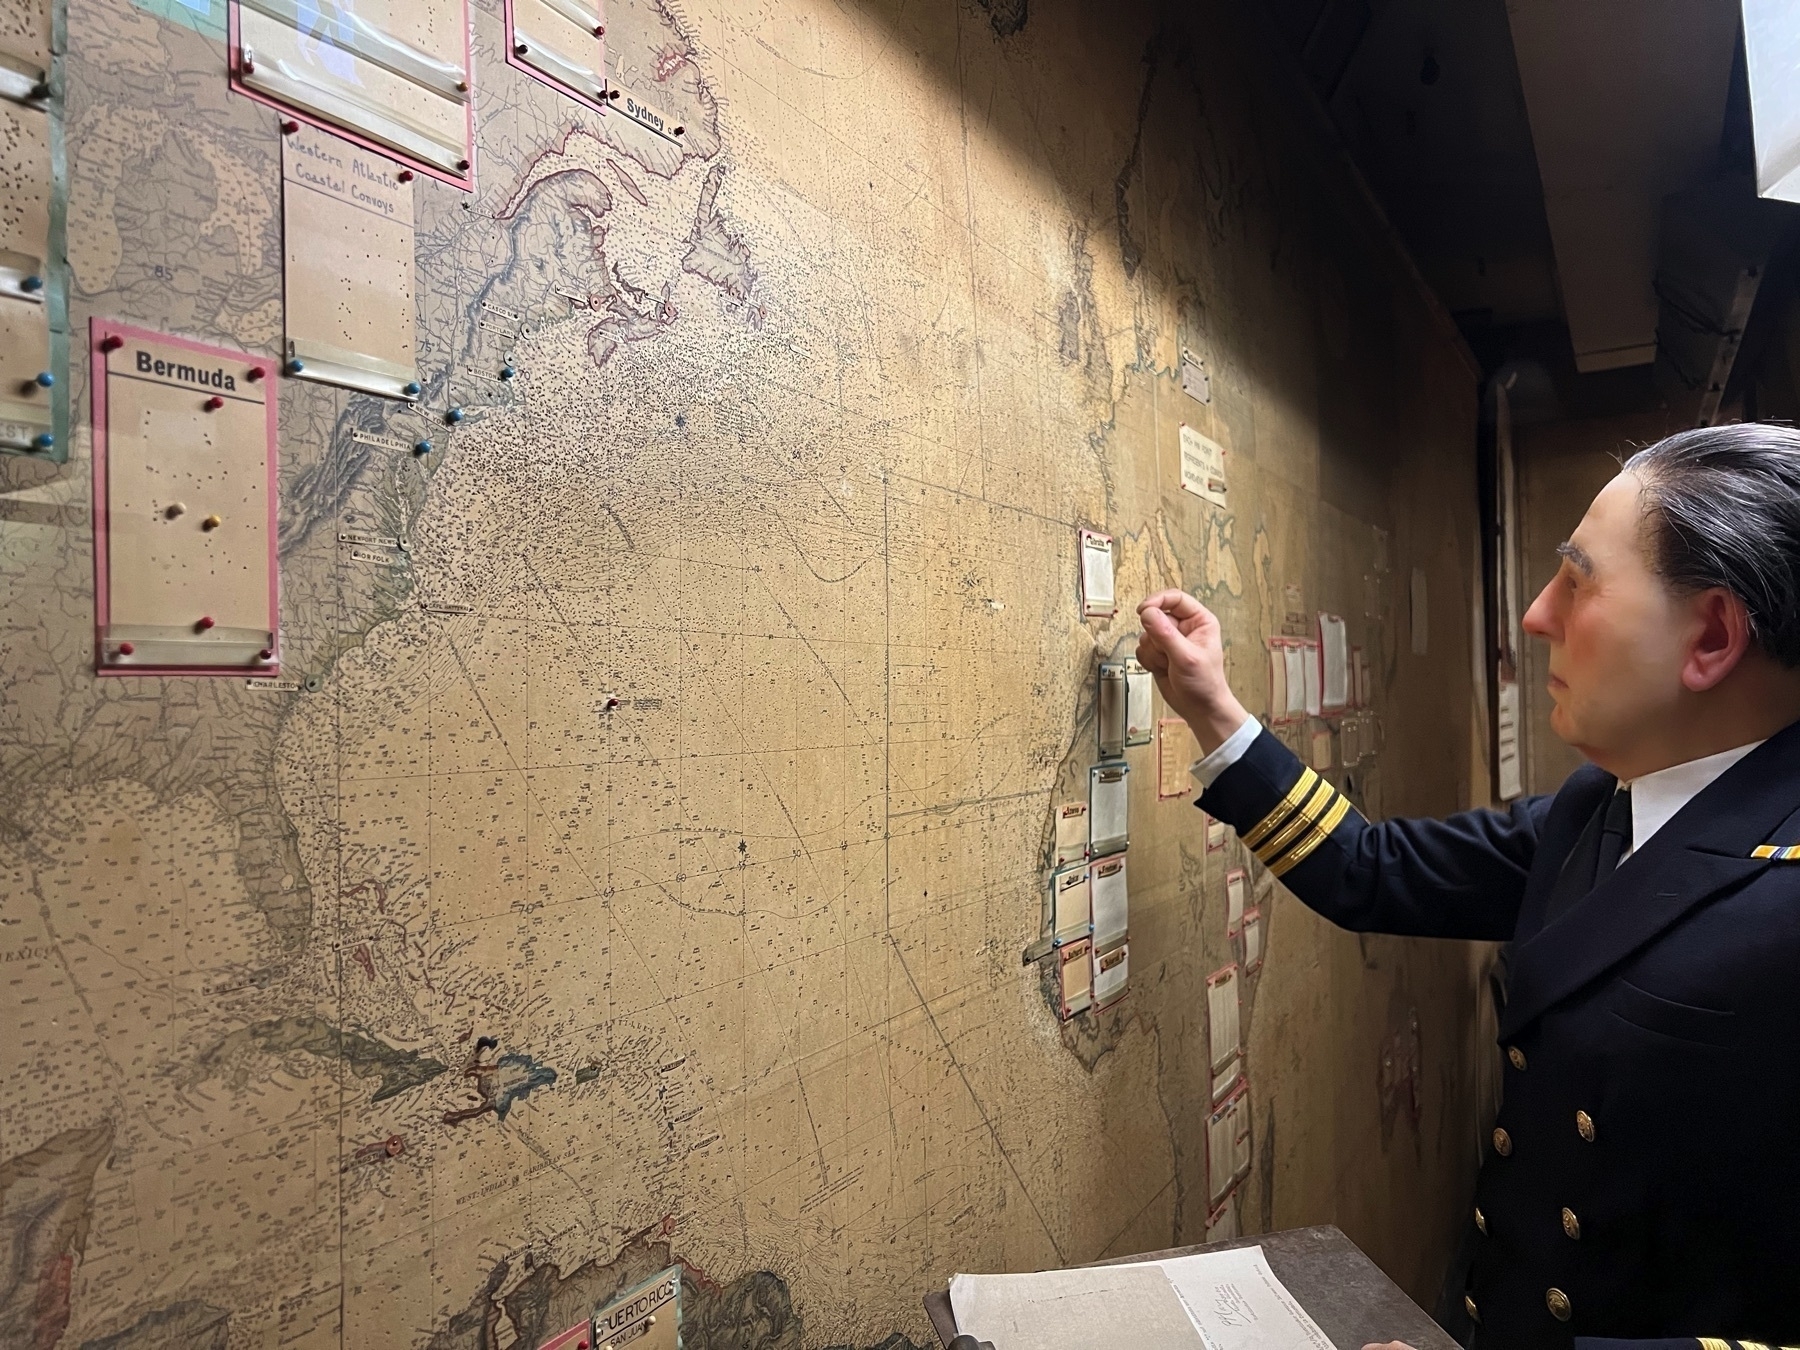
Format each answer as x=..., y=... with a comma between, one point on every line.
x=680, y=131
x=454, y=416
x=507, y=372
x=521, y=48
x=248, y=64
x=126, y=649
x=405, y=175
x=411, y=389
x=112, y=343
x=206, y=622
x=211, y=523
x=296, y=366
x=265, y=655
x=394, y=1145
x=613, y=94
x=44, y=379
x=289, y=127
x=43, y=442
x=30, y=284
x=600, y=30
x=462, y=166
x=486, y=1043
x=462, y=86
x=422, y=448
x=253, y=374
x=213, y=404
x=611, y=703
x=175, y=510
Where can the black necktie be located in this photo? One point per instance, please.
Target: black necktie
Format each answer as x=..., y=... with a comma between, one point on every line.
x=1596, y=853
x=1615, y=835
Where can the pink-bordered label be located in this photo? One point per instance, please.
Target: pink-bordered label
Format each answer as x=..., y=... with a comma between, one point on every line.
x=518, y=63
x=235, y=52
x=104, y=337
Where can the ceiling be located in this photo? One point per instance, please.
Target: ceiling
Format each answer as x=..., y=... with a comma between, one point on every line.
x=1528, y=151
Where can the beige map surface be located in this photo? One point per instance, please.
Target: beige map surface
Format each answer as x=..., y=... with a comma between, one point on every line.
x=636, y=865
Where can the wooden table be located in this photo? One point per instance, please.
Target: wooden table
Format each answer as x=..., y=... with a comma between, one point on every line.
x=1340, y=1288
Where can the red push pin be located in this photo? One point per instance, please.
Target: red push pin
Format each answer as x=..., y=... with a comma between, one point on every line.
x=405, y=175
x=213, y=404
x=126, y=649
x=265, y=655
x=111, y=343
x=289, y=127
x=206, y=622
x=254, y=373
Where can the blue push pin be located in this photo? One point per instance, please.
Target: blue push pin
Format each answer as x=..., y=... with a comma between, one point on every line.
x=507, y=372
x=296, y=366
x=43, y=442
x=30, y=284
x=44, y=379
x=412, y=389
x=422, y=448
x=454, y=416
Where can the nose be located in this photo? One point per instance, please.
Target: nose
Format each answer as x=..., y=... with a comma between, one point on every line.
x=1540, y=619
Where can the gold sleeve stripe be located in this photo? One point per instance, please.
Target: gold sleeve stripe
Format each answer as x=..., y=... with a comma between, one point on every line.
x=1320, y=833
x=1713, y=1343
x=1301, y=787
x=1310, y=810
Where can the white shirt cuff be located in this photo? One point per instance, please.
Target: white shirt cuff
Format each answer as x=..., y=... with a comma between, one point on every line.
x=1206, y=771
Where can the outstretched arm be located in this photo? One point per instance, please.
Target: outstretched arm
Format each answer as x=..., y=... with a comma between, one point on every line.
x=1463, y=877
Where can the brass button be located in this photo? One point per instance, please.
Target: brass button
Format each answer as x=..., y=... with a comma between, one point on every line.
x=1469, y=1307
x=1584, y=1126
x=1558, y=1304
x=1517, y=1056
x=1571, y=1224
x=1502, y=1142
x=1481, y=1220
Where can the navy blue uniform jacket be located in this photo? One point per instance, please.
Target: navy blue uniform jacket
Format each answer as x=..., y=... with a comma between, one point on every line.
x=1644, y=1176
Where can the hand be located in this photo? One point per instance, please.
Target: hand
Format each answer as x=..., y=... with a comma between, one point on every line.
x=1183, y=649
x=1389, y=1345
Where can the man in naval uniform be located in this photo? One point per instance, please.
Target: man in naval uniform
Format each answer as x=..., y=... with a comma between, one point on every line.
x=1644, y=1179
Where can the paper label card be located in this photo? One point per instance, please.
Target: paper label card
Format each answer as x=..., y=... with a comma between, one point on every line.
x=1107, y=808
x=1227, y=1078
x=1111, y=970
x=1222, y=1014
x=1098, y=600
x=1511, y=780
x=1320, y=758
x=1253, y=939
x=27, y=413
x=1110, y=710
x=184, y=506
x=1111, y=900
x=1195, y=382
x=389, y=74
x=1075, y=976
x=1176, y=751
x=1237, y=891
x=562, y=43
x=1071, y=912
x=1334, y=649
x=645, y=1317
x=1140, y=704
x=348, y=246
x=1202, y=466
x=1293, y=680
x=1222, y=1224
x=1228, y=1144
x=1216, y=834
x=24, y=201
x=24, y=44
x=1312, y=678
x=1071, y=833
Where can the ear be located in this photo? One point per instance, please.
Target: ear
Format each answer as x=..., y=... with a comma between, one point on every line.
x=1720, y=641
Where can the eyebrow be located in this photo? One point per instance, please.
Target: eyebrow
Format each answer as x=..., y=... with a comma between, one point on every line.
x=1578, y=556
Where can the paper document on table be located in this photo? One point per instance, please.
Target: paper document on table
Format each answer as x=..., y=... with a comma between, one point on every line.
x=1227, y=1300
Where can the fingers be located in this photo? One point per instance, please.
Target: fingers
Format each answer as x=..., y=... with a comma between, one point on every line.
x=1179, y=605
x=1162, y=640
x=1388, y=1345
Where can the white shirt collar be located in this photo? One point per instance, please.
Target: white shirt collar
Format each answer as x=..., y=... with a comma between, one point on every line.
x=1656, y=797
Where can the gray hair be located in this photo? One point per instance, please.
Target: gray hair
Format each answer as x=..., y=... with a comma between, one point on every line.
x=1723, y=507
